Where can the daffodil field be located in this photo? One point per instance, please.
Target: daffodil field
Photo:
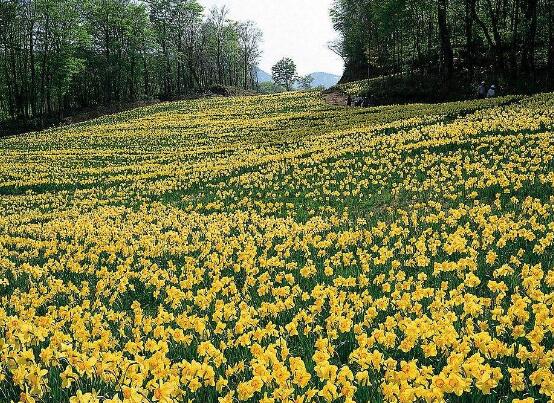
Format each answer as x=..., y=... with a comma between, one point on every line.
x=280, y=249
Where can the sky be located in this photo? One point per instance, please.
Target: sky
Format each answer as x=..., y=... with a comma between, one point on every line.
x=299, y=29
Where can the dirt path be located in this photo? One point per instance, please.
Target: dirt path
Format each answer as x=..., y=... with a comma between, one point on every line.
x=336, y=98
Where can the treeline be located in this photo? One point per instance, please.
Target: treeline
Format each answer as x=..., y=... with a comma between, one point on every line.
x=509, y=41
x=61, y=56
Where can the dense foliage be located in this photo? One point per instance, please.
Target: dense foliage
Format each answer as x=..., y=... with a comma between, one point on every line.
x=60, y=56
x=279, y=249
x=284, y=73
x=501, y=40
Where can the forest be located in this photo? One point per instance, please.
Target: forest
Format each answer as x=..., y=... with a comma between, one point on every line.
x=59, y=57
x=510, y=42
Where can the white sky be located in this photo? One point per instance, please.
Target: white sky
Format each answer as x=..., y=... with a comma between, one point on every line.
x=299, y=29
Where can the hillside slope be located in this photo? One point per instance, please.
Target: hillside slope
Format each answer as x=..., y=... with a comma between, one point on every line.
x=414, y=88
x=262, y=76
x=280, y=246
x=325, y=80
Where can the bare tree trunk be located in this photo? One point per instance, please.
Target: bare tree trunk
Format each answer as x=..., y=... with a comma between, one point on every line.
x=165, y=50
x=192, y=69
x=551, y=43
x=33, y=93
x=469, y=11
x=145, y=70
x=528, y=51
x=498, y=43
x=494, y=44
x=44, y=67
x=515, y=38
x=219, y=67
x=444, y=34
x=179, y=63
x=108, y=72
x=245, y=69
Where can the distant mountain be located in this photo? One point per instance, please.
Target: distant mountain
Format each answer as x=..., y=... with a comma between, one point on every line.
x=326, y=80
x=263, y=77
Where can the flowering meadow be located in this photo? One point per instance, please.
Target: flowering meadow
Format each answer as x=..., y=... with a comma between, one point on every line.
x=279, y=249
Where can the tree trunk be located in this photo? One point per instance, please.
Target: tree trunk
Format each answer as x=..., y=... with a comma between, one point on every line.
x=193, y=72
x=45, y=55
x=515, y=39
x=145, y=70
x=498, y=43
x=33, y=92
x=132, y=79
x=108, y=73
x=551, y=43
x=15, y=78
x=495, y=44
x=9, y=80
x=528, y=51
x=470, y=63
x=11, y=106
x=245, y=68
x=179, y=64
x=167, y=76
x=219, y=66
x=444, y=34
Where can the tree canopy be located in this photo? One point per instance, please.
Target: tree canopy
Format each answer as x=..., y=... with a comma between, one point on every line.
x=59, y=56
x=284, y=73
x=508, y=39
x=305, y=82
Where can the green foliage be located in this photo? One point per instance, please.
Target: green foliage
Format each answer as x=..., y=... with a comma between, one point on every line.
x=305, y=82
x=509, y=40
x=57, y=57
x=270, y=88
x=284, y=73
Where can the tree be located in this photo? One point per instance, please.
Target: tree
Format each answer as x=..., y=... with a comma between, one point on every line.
x=284, y=73
x=550, y=52
x=305, y=82
x=250, y=37
x=469, y=34
x=218, y=19
x=529, y=36
x=187, y=24
x=59, y=56
x=447, y=55
x=270, y=87
x=508, y=40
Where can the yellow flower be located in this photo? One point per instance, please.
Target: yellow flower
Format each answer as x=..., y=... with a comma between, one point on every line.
x=81, y=397
x=329, y=392
x=26, y=398
x=517, y=379
x=300, y=376
x=131, y=395
x=488, y=380
x=164, y=391
x=68, y=377
x=245, y=391
x=263, y=247
x=266, y=399
x=491, y=257
x=456, y=384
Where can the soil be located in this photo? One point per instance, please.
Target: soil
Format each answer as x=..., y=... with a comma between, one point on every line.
x=335, y=97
